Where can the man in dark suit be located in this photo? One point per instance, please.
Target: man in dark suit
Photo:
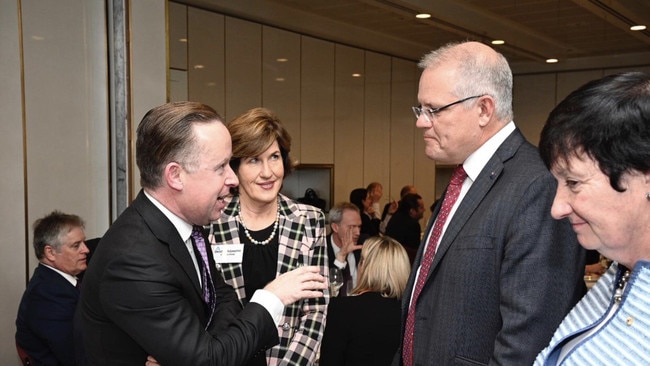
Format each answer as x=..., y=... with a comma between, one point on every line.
x=404, y=226
x=152, y=289
x=343, y=245
x=391, y=207
x=44, y=326
x=492, y=284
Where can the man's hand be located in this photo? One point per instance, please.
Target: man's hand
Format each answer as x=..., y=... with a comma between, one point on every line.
x=393, y=207
x=348, y=245
x=301, y=283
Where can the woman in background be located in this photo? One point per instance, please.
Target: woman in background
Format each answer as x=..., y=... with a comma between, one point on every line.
x=364, y=328
x=597, y=145
x=277, y=233
x=369, y=220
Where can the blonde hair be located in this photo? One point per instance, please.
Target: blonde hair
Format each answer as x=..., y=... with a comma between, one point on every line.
x=384, y=267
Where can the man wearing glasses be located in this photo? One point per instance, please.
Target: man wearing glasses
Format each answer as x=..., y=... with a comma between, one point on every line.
x=495, y=274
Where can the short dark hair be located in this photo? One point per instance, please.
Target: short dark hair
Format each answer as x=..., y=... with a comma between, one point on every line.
x=165, y=135
x=608, y=120
x=50, y=229
x=408, y=202
x=357, y=196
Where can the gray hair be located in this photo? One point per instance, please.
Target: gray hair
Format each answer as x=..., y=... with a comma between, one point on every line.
x=50, y=230
x=480, y=73
x=336, y=212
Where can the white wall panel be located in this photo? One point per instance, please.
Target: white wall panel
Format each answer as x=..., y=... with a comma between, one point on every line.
x=349, y=138
x=13, y=223
x=377, y=114
x=148, y=67
x=281, y=80
x=243, y=67
x=403, y=93
x=66, y=111
x=206, y=65
x=317, y=102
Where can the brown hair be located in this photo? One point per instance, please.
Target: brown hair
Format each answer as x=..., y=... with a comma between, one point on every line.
x=254, y=132
x=165, y=135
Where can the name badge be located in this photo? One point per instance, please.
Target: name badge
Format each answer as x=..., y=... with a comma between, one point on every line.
x=231, y=253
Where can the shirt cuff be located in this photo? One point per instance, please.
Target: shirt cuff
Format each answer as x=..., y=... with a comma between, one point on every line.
x=270, y=302
x=339, y=264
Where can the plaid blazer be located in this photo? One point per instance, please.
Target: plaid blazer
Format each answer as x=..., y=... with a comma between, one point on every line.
x=301, y=240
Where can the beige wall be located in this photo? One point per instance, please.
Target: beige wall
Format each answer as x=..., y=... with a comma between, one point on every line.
x=54, y=135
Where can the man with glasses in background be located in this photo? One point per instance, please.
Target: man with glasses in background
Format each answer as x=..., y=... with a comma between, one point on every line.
x=495, y=274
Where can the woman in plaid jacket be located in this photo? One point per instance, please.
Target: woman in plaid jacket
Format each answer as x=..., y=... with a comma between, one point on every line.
x=277, y=234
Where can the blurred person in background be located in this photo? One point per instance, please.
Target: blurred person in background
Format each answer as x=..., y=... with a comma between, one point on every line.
x=363, y=329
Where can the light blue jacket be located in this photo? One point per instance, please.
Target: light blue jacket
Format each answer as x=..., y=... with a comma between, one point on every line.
x=623, y=340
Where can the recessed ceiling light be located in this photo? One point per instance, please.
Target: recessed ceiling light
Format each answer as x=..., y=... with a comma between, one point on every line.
x=498, y=41
x=38, y=38
x=423, y=16
x=198, y=67
x=183, y=40
x=282, y=59
x=279, y=79
x=638, y=27
x=356, y=75
x=551, y=60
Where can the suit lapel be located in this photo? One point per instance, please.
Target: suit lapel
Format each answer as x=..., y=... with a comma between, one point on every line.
x=167, y=234
x=477, y=192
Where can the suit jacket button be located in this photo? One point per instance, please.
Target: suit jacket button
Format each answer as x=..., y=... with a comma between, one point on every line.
x=286, y=326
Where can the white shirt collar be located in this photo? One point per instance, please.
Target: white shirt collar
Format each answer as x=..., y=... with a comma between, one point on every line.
x=183, y=228
x=70, y=278
x=479, y=158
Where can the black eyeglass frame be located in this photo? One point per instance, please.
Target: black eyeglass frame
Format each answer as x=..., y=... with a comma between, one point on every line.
x=430, y=113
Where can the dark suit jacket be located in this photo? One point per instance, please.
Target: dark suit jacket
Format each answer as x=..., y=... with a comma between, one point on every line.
x=361, y=330
x=331, y=257
x=44, y=326
x=369, y=226
x=330, y=252
x=505, y=274
x=141, y=296
x=405, y=229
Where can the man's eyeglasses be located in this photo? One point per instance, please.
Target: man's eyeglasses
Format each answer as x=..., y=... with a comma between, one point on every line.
x=429, y=114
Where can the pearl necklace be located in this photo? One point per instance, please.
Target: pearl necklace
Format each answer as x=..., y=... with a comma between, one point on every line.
x=620, y=286
x=248, y=234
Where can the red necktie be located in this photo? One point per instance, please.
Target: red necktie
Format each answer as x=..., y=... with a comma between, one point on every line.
x=453, y=190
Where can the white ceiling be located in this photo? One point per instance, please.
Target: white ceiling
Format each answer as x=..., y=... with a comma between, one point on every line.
x=582, y=34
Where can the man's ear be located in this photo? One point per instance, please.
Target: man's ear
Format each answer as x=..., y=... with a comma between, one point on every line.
x=49, y=253
x=173, y=176
x=335, y=227
x=486, y=110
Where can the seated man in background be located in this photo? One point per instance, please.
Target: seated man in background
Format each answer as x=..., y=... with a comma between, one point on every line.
x=404, y=226
x=45, y=316
x=343, y=244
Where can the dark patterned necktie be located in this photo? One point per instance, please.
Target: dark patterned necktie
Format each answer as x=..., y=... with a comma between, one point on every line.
x=206, y=275
x=453, y=190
